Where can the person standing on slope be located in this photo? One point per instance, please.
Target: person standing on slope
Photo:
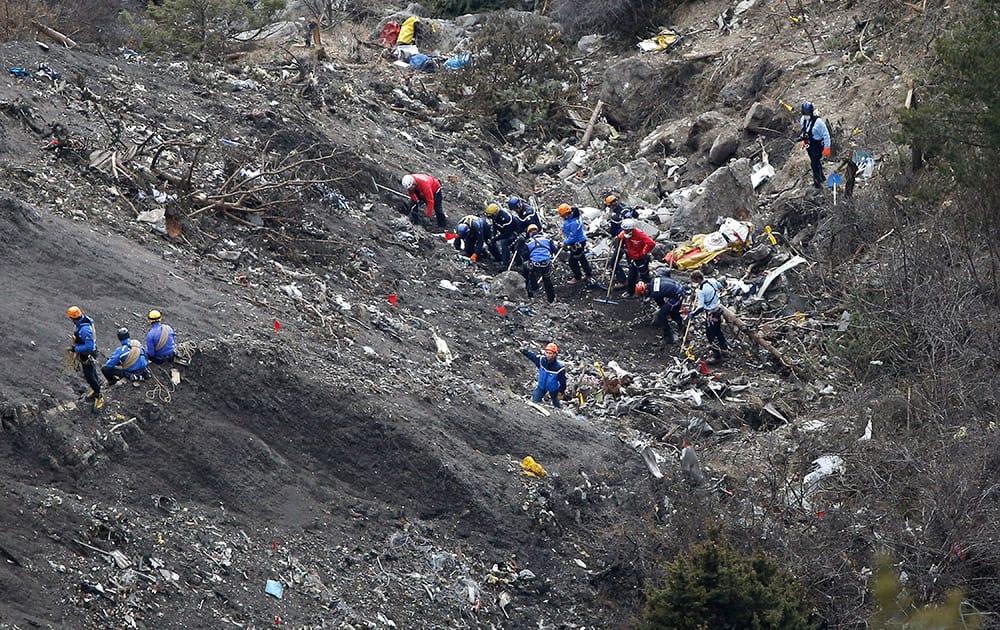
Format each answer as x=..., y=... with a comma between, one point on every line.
x=551, y=375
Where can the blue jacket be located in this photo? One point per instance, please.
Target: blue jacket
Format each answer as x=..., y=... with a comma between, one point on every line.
x=84, y=340
x=572, y=227
x=814, y=130
x=506, y=225
x=540, y=248
x=551, y=374
x=129, y=350
x=160, y=341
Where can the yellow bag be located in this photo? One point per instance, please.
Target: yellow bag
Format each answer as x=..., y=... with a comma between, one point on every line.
x=531, y=468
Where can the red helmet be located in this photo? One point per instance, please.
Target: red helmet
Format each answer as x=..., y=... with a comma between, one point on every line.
x=551, y=347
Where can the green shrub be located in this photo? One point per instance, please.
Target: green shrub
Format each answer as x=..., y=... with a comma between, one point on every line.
x=518, y=70
x=203, y=28
x=716, y=586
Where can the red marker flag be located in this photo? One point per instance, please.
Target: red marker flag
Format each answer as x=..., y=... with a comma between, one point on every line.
x=703, y=367
x=277, y=325
x=450, y=236
x=501, y=311
x=392, y=299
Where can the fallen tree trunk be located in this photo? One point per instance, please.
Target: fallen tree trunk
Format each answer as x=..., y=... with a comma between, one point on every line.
x=54, y=34
x=741, y=326
x=591, y=123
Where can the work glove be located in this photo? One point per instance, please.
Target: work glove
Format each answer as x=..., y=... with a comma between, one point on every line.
x=804, y=144
x=473, y=257
x=826, y=151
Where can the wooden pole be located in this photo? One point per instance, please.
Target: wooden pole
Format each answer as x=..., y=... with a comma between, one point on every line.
x=590, y=124
x=54, y=34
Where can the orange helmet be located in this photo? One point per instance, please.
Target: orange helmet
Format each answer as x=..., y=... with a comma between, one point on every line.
x=531, y=229
x=610, y=200
x=564, y=209
x=73, y=312
x=640, y=288
x=553, y=348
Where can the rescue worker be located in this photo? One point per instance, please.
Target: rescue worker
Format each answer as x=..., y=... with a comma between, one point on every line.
x=707, y=295
x=551, y=375
x=128, y=361
x=526, y=213
x=637, y=246
x=668, y=294
x=160, y=340
x=424, y=189
x=575, y=244
x=85, y=347
x=619, y=212
x=473, y=235
x=505, y=229
x=816, y=141
x=538, y=251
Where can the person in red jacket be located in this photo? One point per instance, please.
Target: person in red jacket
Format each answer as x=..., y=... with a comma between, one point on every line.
x=638, y=245
x=424, y=189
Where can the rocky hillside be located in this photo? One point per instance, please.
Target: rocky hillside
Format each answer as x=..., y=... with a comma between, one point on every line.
x=352, y=422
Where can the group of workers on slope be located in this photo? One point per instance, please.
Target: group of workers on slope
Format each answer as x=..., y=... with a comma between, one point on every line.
x=131, y=358
x=516, y=234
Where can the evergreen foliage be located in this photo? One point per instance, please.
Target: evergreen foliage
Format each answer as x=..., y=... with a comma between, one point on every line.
x=717, y=586
x=203, y=28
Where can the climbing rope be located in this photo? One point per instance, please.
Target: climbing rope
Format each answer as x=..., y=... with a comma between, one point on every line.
x=160, y=391
x=184, y=352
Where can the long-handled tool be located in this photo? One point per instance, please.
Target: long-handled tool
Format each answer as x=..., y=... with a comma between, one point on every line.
x=611, y=278
x=387, y=189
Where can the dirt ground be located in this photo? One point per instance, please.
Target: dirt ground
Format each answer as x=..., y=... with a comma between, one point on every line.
x=343, y=455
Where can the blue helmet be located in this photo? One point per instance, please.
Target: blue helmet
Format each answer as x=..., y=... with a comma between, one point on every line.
x=807, y=108
x=462, y=229
x=513, y=202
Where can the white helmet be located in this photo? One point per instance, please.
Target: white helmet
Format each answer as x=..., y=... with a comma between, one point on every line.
x=628, y=225
x=408, y=182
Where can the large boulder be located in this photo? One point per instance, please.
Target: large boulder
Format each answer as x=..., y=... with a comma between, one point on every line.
x=642, y=87
x=764, y=121
x=724, y=147
x=635, y=183
x=746, y=87
x=698, y=208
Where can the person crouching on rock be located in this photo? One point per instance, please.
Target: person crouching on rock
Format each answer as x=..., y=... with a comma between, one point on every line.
x=473, y=233
x=128, y=361
x=160, y=340
x=551, y=375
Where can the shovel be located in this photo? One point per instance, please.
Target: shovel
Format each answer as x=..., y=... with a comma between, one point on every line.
x=611, y=278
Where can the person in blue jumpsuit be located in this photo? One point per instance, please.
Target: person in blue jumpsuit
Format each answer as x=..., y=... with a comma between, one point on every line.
x=537, y=253
x=551, y=375
x=128, y=361
x=85, y=347
x=525, y=212
x=474, y=233
x=668, y=294
x=505, y=229
x=575, y=244
x=161, y=342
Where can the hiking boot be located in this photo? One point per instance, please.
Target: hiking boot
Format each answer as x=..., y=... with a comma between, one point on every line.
x=90, y=396
x=620, y=285
x=573, y=281
x=98, y=403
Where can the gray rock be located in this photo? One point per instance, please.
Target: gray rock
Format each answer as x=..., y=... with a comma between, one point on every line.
x=638, y=85
x=509, y=284
x=724, y=147
x=718, y=195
